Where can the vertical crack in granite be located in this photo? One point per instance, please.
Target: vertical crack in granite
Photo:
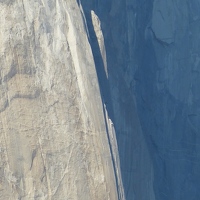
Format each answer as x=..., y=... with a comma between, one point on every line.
x=54, y=143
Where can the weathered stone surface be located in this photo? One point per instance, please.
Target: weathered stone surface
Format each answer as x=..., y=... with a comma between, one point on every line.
x=99, y=99
x=54, y=142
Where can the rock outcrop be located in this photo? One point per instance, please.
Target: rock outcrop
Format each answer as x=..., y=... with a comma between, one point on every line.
x=99, y=99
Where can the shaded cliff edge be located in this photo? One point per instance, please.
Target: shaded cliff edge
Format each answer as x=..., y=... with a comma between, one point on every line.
x=116, y=79
x=152, y=53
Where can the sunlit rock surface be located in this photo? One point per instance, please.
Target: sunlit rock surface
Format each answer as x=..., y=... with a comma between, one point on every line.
x=54, y=142
x=100, y=99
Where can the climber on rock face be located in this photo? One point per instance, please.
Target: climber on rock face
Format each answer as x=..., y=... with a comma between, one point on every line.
x=111, y=123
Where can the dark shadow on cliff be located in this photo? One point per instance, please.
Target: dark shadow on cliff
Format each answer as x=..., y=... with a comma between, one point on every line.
x=115, y=92
x=105, y=83
x=99, y=64
x=102, y=78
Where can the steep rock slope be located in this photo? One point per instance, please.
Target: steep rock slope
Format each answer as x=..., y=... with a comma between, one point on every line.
x=168, y=98
x=119, y=26
x=150, y=84
x=99, y=99
x=54, y=142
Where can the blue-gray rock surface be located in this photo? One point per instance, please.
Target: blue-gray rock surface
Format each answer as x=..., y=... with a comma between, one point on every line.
x=153, y=65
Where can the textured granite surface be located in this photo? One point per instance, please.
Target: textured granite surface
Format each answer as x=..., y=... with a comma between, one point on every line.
x=53, y=136
x=100, y=99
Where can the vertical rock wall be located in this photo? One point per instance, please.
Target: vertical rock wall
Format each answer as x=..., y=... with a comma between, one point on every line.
x=168, y=98
x=150, y=87
x=53, y=142
x=119, y=27
x=99, y=99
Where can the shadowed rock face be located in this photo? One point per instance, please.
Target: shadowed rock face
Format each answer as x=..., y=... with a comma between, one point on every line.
x=168, y=104
x=153, y=80
x=100, y=100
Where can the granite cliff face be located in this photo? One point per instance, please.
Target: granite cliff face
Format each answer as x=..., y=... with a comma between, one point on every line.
x=99, y=99
x=54, y=142
x=152, y=53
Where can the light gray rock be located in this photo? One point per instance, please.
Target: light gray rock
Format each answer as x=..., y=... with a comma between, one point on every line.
x=54, y=142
